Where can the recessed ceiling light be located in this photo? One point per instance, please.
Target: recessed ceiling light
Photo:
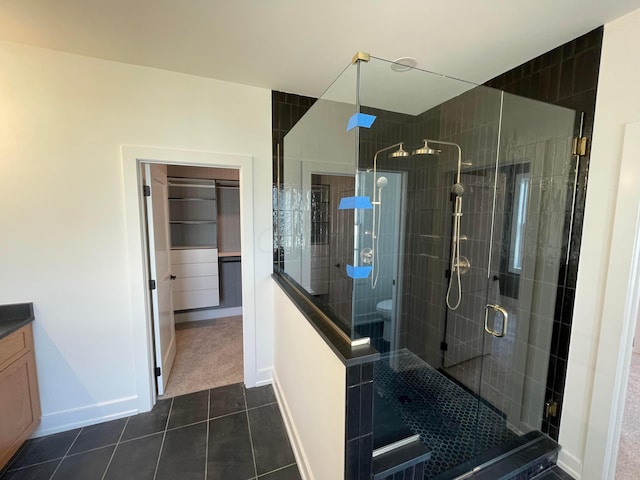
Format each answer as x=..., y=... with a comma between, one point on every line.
x=403, y=64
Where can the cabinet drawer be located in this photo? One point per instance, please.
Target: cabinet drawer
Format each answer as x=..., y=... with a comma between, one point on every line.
x=181, y=270
x=15, y=345
x=196, y=299
x=194, y=255
x=196, y=283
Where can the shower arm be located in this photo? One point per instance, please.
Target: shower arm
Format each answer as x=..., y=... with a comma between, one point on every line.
x=375, y=163
x=442, y=142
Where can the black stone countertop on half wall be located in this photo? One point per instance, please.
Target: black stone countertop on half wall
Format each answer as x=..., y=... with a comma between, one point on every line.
x=14, y=317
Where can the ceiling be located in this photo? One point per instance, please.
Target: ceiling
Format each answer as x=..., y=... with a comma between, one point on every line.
x=301, y=46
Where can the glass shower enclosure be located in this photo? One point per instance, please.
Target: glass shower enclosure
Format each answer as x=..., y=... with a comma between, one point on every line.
x=429, y=217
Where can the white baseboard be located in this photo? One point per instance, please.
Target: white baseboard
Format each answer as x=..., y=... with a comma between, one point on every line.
x=264, y=377
x=88, y=415
x=198, y=315
x=570, y=464
x=296, y=444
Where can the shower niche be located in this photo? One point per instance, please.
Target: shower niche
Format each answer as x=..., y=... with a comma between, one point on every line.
x=446, y=225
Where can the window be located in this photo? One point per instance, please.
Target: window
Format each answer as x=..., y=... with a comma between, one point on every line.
x=518, y=222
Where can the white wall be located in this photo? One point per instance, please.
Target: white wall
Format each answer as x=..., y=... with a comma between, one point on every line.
x=597, y=339
x=310, y=383
x=63, y=245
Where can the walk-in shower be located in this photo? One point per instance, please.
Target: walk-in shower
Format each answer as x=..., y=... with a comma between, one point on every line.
x=446, y=205
x=459, y=264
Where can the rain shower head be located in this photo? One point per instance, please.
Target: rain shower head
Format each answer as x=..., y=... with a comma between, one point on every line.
x=401, y=152
x=426, y=150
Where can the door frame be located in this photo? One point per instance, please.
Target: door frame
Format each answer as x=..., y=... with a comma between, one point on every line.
x=152, y=219
x=620, y=309
x=133, y=157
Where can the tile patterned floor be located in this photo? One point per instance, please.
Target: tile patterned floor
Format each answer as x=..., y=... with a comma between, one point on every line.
x=225, y=433
x=452, y=422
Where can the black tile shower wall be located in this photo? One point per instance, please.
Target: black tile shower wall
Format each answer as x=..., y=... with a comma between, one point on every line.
x=286, y=110
x=566, y=76
x=415, y=472
x=359, y=419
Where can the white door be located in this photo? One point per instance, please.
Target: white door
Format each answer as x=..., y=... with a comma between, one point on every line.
x=159, y=266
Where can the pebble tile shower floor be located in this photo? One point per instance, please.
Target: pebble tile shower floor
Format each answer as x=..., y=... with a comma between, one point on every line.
x=452, y=422
x=224, y=433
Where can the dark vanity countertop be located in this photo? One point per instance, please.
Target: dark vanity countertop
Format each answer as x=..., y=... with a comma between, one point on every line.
x=14, y=317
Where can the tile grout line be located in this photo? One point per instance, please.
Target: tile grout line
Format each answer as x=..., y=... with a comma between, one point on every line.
x=206, y=444
x=227, y=414
x=116, y=448
x=246, y=410
x=263, y=405
x=164, y=435
x=65, y=455
x=276, y=470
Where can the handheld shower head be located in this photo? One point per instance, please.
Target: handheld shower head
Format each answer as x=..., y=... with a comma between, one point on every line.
x=457, y=189
x=382, y=182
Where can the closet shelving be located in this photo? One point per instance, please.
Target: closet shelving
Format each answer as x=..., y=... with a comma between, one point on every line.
x=192, y=213
x=194, y=240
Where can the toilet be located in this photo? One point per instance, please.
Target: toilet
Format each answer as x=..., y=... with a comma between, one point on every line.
x=385, y=310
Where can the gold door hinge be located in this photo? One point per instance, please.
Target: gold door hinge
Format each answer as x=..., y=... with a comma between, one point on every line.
x=550, y=409
x=579, y=146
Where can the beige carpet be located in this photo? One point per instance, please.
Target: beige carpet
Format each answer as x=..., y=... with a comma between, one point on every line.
x=209, y=355
x=628, y=466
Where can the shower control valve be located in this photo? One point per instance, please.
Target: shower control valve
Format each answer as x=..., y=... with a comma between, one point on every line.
x=463, y=265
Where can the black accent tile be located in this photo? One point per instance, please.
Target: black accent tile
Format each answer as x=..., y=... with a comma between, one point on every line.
x=135, y=459
x=230, y=455
x=353, y=412
x=353, y=375
x=270, y=442
x=419, y=471
x=289, y=473
x=258, y=396
x=226, y=400
x=44, y=449
x=367, y=372
x=42, y=471
x=366, y=452
x=84, y=466
x=366, y=408
x=352, y=460
x=187, y=409
x=100, y=435
x=183, y=453
x=400, y=460
x=147, y=423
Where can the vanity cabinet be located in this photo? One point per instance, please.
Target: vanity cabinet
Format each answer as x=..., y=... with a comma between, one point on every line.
x=19, y=397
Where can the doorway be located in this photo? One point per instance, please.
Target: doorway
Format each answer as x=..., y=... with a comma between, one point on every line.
x=194, y=260
x=144, y=362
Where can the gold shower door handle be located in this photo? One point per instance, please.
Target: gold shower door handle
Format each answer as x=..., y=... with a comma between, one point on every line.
x=505, y=320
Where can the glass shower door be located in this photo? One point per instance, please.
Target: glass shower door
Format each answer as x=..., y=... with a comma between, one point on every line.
x=532, y=208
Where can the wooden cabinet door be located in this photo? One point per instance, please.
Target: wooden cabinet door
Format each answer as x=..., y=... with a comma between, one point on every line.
x=19, y=405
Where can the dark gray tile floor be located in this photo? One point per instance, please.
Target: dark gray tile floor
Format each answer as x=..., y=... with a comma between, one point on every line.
x=225, y=433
